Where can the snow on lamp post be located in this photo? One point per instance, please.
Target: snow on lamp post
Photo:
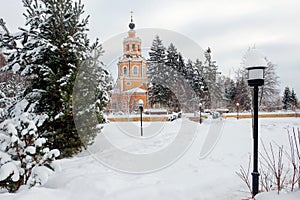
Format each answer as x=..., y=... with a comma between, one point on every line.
x=237, y=110
x=200, y=108
x=256, y=65
x=141, y=104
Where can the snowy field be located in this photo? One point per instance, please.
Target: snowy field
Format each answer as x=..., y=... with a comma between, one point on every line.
x=203, y=168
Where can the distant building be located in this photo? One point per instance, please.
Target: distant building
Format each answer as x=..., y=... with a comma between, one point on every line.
x=132, y=81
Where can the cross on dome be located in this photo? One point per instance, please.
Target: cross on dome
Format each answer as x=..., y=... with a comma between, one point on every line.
x=131, y=25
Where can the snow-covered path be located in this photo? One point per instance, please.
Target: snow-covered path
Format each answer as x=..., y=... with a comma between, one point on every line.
x=206, y=170
x=212, y=137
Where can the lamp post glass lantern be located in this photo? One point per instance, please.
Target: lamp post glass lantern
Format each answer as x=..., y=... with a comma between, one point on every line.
x=141, y=107
x=256, y=64
x=200, y=108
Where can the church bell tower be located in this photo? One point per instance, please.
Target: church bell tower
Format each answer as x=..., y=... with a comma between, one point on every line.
x=132, y=82
x=132, y=67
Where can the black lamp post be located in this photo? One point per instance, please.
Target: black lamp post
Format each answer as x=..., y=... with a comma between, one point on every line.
x=200, y=108
x=237, y=110
x=255, y=64
x=141, y=104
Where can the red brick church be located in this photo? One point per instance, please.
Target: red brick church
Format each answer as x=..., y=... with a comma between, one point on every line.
x=132, y=81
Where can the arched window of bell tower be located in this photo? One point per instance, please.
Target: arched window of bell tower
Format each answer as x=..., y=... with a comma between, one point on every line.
x=135, y=70
x=125, y=70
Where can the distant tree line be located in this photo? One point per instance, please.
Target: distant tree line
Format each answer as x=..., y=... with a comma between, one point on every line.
x=174, y=83
x=181, y=85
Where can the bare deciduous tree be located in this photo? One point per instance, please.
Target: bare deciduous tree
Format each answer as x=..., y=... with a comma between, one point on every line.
x=269, y=91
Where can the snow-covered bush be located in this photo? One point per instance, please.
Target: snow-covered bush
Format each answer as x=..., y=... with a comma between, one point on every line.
x=24, y=158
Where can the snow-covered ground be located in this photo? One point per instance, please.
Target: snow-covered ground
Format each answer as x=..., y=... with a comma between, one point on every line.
x=203, y=167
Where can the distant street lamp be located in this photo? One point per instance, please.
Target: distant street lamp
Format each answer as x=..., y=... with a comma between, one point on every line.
x=256, y=65
x=141, y=104
x=200, y=108
x=237, y=110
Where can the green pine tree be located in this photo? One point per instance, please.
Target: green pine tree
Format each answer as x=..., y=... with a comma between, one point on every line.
x=210, y=77
x=286, y=99
x=294, y=99
x=54, y=45
x=231, y=92
x=156, y=69
x=172, y=77
x=90, y=96
x=174, y=83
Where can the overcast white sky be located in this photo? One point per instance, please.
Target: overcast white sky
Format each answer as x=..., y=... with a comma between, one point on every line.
x=228, y=27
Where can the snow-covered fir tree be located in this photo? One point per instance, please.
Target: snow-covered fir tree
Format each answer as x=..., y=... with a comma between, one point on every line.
x=231, y=92
x=200, y=85
x=91, y=95
x=13, y=86
x=157, y=58
x=53, y=45
x=25, y=158
x=289, y=99
x=156, y=70
x=294, y=99
x=210, y=73
x=191, y=86
x=199, y=67
x=199, y=90
x=37, y=125
x=162, y=72
x=209, y=66
x=5, y=103
x=174, y=83
x=173, y=77
x=286, y=99
x=11, y=83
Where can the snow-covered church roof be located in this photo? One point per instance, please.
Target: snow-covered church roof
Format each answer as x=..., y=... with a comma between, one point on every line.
x=135, y=90
x=131, y=91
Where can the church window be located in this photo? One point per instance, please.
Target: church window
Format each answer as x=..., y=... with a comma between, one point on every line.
x=135, y=70
x=133, y=47
x=125, y=70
